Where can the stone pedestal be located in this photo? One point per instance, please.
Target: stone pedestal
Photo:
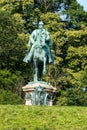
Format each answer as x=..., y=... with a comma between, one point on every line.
x=39, y=93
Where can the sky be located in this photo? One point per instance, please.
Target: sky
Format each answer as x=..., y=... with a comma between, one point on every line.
x=83, y=3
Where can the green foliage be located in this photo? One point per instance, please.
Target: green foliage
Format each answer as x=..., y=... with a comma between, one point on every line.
x=21, y=117
x=7, y=97
x=11, y=81
x=7, y=79
x=11, y=45
x=84, y=79
x=44, y=6
x=73, y=96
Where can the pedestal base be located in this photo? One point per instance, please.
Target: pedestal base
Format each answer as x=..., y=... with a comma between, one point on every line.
x=38, y=93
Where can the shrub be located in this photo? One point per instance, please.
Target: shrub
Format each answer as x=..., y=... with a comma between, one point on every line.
x=7, y=97
x=73, y=96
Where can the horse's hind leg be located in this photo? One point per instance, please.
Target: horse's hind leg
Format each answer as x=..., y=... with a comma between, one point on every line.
x=35, y=77
x=35, y=71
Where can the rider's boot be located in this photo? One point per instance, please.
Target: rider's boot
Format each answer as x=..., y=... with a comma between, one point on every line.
x=50, y=58
x=49, y=55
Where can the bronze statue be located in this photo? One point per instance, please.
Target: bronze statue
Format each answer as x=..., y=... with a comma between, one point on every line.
x=40, y=50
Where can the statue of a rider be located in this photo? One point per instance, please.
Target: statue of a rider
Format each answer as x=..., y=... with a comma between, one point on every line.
x=33, y=42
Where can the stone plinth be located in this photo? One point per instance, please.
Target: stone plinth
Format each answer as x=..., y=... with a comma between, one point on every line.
x=30, y=91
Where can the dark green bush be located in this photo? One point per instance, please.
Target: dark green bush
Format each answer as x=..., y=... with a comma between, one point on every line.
x=73, y=96
x=7, y=97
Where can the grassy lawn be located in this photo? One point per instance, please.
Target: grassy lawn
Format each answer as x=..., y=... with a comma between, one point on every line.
x=20, y=117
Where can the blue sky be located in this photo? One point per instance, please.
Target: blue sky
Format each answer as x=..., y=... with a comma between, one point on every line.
x=83, y=3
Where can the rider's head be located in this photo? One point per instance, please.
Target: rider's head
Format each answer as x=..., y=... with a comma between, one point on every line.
x=41, y=24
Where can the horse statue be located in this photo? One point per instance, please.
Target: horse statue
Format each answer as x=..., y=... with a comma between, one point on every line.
x=40, y=61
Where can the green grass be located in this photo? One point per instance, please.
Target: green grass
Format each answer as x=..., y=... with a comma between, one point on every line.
x=20, y=117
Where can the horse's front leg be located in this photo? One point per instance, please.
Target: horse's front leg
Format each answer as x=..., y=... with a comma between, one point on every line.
x=35, y=71
x=44, y=66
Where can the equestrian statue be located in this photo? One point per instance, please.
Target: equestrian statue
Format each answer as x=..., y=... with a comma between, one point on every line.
x=40, y=51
